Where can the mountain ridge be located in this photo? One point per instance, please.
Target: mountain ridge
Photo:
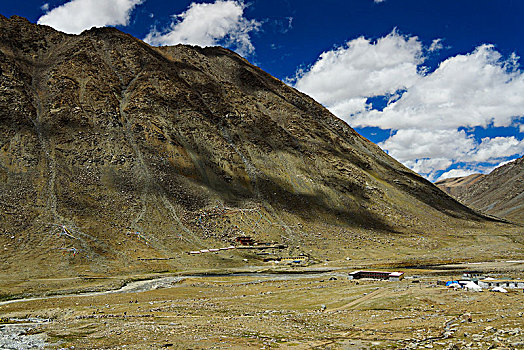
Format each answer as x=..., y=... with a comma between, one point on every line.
x=454, y=186
x=127, y=145
x=499, y=193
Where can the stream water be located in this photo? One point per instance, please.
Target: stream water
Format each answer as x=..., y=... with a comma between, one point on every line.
x=170, y=282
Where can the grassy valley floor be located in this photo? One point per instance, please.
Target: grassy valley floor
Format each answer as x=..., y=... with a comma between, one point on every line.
x=261, y=310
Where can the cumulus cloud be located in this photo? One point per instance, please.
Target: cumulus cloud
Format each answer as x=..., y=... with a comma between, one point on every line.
x=343, y=79
x=429, y=152
x=77, y=15
x=477, y=89
x=456, y=173
x=209, y=24
x=408, y=145
x=432, y=115
x=496, y=148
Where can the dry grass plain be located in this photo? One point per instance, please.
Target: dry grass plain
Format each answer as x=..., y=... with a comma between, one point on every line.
x=321, y=310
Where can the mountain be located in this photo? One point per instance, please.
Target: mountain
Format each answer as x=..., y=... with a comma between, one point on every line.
x=112, y=150
x=500, y=193
x=456, y=186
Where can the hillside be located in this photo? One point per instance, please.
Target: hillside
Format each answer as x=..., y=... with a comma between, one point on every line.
x=500, y=193
x=111, y=150
x=456, y=186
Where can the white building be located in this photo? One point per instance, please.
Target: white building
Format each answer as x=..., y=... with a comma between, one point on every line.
x=511, y=284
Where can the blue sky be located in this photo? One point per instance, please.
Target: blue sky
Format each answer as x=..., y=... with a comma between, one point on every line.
x=437, y=84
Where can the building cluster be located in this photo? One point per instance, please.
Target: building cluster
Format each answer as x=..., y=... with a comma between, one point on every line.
x=241, y=242
x=477, y=282
x=472, y=281
x=302, y=259
x=510, y=284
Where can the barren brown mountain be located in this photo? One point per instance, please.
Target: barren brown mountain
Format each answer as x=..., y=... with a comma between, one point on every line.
x=456, y=186
x=112, y=150
x=500, y=193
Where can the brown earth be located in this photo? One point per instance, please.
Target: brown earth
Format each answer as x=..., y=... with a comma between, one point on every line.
x=500, y=193
x=456, y=186
x=111, y=150
x=319, y=311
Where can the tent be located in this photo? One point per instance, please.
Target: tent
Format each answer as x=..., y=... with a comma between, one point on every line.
x=499, y=289
x=453, y=284
x=472, y=286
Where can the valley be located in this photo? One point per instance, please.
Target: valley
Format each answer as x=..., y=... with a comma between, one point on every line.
x=304, y=309
x=181, y=197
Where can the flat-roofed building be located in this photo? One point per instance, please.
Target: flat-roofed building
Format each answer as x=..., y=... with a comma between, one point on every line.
x=510, y=284
x=379, y=275
x=294, y=259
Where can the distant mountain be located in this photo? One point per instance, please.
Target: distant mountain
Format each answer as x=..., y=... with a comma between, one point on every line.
x=501, y=193
x=456, y=186
x=111, y=150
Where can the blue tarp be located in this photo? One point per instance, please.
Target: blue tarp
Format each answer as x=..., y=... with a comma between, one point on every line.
x=448, y=283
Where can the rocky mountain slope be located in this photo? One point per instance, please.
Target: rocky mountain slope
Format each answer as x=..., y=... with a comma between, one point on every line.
x=500, y=193
x=456, y=186
x=111, y=150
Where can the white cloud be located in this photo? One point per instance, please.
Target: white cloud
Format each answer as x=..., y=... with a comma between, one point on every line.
x=466, y=90
x=343, y=79
x=456, y=173
x=204, y=24
x=427, y=165
x=411, y=144
x=45, y=7
x=378, y=1
x=77, y=15
x=436, y=45
x=429, y=151
x=496, y=148
x=435, y=113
